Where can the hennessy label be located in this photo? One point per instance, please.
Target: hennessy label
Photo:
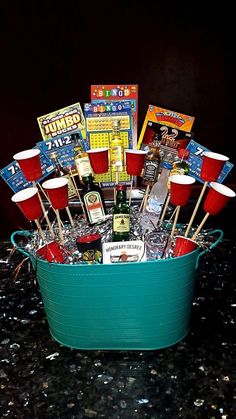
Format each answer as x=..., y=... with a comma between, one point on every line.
x=121, y=223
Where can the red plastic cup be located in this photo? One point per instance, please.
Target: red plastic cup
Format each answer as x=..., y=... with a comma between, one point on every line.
x=212, y=164
x=51, y=252
x=28, y=202
x=57, y=190
x=184, y=245
x=99, y=159
x=180, y=189
x=217, y=198
x=29, y=162
x=135, y=161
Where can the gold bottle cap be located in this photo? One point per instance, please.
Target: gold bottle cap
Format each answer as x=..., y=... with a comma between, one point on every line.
x=53, y=155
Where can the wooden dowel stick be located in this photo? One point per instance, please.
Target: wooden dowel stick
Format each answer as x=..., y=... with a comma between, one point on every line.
x=45, y=195
x=77, y=192
x=175, y=221
x=40, y=230
x=200, y=226
x=146, y=197
x=59, y=226
x=164, y=209
x=69, y=215
x=172, y=215
x=45, y=213
x=130, y=191
x=195, y=209
x=141, y=205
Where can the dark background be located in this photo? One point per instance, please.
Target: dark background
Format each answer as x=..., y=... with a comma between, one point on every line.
x=180, y=54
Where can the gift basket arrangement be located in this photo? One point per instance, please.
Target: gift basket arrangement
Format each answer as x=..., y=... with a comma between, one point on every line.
x=118, y=275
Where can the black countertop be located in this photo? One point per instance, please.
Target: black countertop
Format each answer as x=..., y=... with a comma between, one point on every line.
x=196, y=378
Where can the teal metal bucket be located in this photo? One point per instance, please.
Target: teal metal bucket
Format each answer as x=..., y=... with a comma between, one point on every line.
x=126, y=306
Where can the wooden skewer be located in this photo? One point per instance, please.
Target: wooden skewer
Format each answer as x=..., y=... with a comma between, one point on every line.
x=69, y=215
x=59, y=226
x=172, y=215
x=41, y=189
x=200, y=226
x=195, y=209
x=77, y=192
x=164, y=209
x=175, y=221
x=45, y=213
x=146, y=197
x=40, y=230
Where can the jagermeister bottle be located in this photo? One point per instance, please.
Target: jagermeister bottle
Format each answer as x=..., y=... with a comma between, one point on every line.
x=152, y=162
x=93, y=200
x=82, y=162
x=61, y=171
x=120, y=215
x=116, y=148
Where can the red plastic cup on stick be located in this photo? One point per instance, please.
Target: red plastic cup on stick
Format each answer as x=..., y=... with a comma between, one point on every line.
x=134, y=161
x=212, y=164
x=57, y=190
x=28, y=202
x=180, y=189
x=184, y=245
x=29, y=162
x=51, y=252
x=99, y=160
x=217, y=198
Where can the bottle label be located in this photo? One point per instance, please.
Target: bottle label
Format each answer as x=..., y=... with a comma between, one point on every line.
x=116, y=156
x=83, y=166
x=121, y=223
x=150, y=171
x=94, y=206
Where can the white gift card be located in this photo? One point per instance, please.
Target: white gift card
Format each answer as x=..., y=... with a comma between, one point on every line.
x=125, y=251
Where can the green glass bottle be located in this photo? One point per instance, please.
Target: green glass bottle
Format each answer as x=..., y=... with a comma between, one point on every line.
x=120, y=215
x=93, y=200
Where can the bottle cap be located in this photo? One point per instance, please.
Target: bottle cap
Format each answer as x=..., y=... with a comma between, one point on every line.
x=116, y=123
x=120, y=187
x=53, y=155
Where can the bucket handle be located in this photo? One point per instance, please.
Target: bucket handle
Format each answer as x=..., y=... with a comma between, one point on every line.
x=221, y=234
x=23, y=233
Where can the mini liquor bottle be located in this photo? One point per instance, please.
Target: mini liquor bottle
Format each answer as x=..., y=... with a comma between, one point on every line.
x=116, y=148
x=82, y=162
x=152, y=163
x=93, y=200
x=61, y=171
x=120, y=215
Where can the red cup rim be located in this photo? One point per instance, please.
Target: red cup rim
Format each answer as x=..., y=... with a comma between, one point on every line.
x=222, y=189
x=46, y=244
x=215, y=156
x=182, y=179
x=186, y=238
x=26, y=154
x=88, y=238
x=136, y=151
x=97, y=150
x=24, y=194
x=55, y=183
